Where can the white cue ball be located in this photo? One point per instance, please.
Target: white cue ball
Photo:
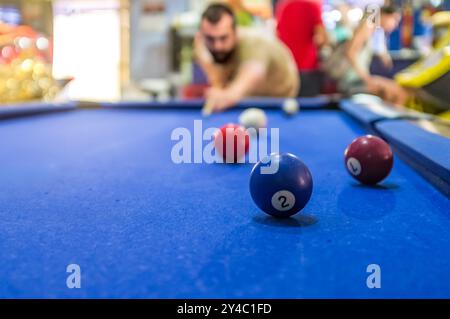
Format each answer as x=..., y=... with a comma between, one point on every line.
x=253, y=117
x=290, y=106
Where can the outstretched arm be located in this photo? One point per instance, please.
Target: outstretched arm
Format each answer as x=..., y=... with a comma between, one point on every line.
x=249, y=76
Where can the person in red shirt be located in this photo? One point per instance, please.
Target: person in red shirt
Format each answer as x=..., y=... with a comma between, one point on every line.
x=300, y=27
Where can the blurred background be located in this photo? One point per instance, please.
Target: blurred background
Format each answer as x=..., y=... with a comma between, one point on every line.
x=109, y=50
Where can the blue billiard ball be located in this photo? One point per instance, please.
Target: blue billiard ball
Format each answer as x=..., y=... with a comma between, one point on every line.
x=281, y=184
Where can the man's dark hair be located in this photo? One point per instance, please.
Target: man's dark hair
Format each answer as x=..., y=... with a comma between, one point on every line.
x=214, y=13
x=389, y=10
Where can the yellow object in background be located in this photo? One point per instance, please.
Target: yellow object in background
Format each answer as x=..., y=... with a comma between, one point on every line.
x=25, y=65
x=445, y=116
x=245, y=10
x=433, y=66
x=26, y=78
x=441, y=26
x=426, y=70
x=429, y=78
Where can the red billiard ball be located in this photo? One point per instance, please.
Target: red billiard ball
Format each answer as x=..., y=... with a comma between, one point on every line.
x=369, y=159
x=231, y=141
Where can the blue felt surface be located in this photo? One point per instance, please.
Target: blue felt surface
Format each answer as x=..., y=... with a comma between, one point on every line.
x=319, y=102
x=98, y=188
x=431, y=152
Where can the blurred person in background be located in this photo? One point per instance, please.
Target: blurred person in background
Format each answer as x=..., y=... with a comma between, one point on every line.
x=350, y=62
x=239, y=64
x=300, y=27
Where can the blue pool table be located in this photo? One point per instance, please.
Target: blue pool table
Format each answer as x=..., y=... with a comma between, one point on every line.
x=96, y=187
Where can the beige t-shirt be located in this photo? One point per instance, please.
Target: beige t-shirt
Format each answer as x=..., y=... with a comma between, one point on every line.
x=281, y=79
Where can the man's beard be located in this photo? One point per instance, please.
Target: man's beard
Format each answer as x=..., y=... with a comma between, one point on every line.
x=222, y=57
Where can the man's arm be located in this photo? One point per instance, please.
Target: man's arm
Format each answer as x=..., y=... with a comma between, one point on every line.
x=249, y=76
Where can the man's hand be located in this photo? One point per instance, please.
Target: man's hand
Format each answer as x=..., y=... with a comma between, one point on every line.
x=219, y=100
x=201, y=54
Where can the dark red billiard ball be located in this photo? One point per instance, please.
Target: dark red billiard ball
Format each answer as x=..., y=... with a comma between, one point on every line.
x=231, y=141
x=369, y=159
